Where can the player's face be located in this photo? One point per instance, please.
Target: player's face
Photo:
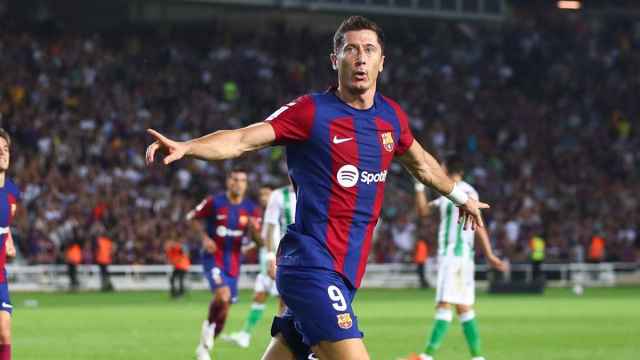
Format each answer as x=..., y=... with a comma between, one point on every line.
x=237, y=183
x=4, y=154
x=264, y=195
x=359, y=60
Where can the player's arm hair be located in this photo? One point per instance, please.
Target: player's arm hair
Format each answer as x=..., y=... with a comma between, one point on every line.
x=229, y=144
x=426, y=169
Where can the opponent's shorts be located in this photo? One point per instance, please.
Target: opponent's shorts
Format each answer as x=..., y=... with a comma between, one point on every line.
x=218, y=278
x=5, y=302
x=456, y=282
x=265, y=284
x=318, y=308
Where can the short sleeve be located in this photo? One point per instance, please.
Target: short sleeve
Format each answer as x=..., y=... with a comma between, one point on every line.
x=406, y=136
x=204, y=209
x=293, y=121
x=15, y=191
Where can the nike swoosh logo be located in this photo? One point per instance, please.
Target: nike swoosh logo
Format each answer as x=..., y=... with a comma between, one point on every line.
x=337, y=140
x=5, y=305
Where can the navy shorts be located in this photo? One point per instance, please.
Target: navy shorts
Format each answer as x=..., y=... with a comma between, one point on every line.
x=318, y=307
x=218, y=278
x=5, y=302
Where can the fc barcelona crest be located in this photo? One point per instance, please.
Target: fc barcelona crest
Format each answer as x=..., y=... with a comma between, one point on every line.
x=344, y=321
x=387, y=141
x=243, y=219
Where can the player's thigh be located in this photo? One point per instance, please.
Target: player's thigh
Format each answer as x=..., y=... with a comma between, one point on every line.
x=348, y=349
x=278, y=350
x=5, y=327
x=222, y=293
x=320, y=302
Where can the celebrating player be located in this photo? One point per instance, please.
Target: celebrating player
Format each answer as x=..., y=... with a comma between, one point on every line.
x=9, y=197
x=228, y=218
x=456, y=270
x=280, y=213
x=339, y=147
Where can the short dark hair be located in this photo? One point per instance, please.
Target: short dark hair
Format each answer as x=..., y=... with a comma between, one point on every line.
x=5, y=135
x=354, y=23
x=237, y=169
x=454, y=164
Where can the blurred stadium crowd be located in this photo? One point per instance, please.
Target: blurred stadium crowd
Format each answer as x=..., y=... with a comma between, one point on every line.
x=544, y=109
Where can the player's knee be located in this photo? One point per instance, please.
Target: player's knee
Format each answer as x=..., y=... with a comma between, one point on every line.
x=443, y=305
x=260, y=297
x=5, y=335
x=462, y=309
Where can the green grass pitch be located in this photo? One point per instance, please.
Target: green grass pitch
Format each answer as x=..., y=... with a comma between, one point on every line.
x=601, y=324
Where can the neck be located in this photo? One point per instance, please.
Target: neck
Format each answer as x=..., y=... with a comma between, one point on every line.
x=234, y=199
x=2, y=177
x=456, y=178
x=360, y=101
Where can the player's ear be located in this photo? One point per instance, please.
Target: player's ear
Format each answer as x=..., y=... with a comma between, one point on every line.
x=334, y=61
x=381, y=67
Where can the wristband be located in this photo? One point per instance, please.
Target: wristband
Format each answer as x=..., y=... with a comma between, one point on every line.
x=418, y=186
x=458, y=196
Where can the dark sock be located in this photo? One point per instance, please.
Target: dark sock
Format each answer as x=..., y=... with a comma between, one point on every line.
x=217, y=314
x=5, y=351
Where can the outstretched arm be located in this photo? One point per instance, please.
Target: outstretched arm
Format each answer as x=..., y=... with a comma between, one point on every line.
x=483, y=238
x=426, y=169
x=219, y=145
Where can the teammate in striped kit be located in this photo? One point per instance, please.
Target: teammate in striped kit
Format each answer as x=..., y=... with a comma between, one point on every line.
x=456, y=268
x=9, y=198
x=279, y=214
x=339, y=147
x=228, y=218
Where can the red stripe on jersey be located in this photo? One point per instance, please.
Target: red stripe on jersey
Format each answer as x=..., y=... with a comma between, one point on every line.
x=13, y=206
x=385, y=161
x=406, y=136
x=342, y=200
x=223, y=212
x=243, y=219
x=293, y=121
x=204, y=208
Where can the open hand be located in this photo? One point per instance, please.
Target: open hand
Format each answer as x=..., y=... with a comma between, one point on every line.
x=175, y=149
x=470, y=214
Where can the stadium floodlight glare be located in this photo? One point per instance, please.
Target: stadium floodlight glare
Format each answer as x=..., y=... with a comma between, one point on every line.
x=569, y=5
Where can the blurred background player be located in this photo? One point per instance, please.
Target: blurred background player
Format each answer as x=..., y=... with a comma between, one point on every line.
x=178, y=256
x=9, y=198
x=456, y=268
x=280, y=213
x=228, y=218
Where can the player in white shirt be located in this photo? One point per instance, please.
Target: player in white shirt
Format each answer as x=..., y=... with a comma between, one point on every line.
x=280, y=213
x=456, y=268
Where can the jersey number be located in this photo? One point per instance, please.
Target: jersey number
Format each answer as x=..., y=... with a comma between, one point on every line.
x=336, y=295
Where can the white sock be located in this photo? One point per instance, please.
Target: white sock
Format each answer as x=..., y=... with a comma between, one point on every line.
x=206, y=335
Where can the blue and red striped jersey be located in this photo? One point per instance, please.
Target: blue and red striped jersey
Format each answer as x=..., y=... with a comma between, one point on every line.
x=338, y=158
x=9, y=198
x=227, y=224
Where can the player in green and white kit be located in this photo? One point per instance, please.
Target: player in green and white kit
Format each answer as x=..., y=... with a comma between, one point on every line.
x=280, y=213
x=456, y=268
